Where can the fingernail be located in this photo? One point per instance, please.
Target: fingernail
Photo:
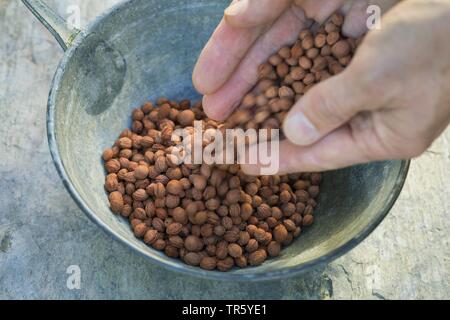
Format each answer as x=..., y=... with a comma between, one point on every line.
x=236, y=8
x=300, y=130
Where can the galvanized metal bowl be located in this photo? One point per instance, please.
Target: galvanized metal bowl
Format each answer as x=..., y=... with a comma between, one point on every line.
x=143, y=49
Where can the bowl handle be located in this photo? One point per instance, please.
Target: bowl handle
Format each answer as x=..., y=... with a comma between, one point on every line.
x=57, y=26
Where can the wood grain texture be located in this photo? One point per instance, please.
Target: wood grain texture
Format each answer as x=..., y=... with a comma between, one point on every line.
x=42, y=231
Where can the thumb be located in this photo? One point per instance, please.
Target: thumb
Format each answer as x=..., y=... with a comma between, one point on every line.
x=252, y=13
x=324, y=108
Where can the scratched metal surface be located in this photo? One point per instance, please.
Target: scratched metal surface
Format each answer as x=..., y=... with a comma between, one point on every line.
x=42, y=231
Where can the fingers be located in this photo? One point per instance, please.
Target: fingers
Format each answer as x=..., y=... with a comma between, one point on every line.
x=324, y=108
x=244, y=22
x=252, y=13
x=285, y=30
x=220, y=56
x=355, y=24
x=337, y=150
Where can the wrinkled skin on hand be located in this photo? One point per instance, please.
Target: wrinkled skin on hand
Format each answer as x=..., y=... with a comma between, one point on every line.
x=391, y=102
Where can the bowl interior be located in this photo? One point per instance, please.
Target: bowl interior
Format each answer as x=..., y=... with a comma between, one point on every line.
x=146, y=49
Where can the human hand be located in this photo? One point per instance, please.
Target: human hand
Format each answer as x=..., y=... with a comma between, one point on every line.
x=390, y=103
x=250, y=32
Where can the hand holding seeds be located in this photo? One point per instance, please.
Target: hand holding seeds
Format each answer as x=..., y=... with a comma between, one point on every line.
x=391, y=102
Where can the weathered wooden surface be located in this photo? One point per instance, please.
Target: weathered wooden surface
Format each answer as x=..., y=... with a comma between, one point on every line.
x=42, y=231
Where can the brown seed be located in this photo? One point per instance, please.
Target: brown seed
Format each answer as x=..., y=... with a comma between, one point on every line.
x=330, y=27
x=140, y=229
x=290, y=225
x=222, y=250
x=297, y=50
x=257, y=258
x=285, y=52
x=186, y=118
x=200, y=218
x=259, y=234
x=341, y=49
x=161, y=164
x=159, y=190
x=272, y=92
x=159, y=244
x=244, y=238
x=248, y=101
x=308, y=220
x=241, y=261
x=193, y=243
x=285, y=196
x=125, y=143
x=297, y=232
x=174, y=228
x=231, y=236
x=288, y=209
x=112, y=166
x=140, y=195
x=164, y=111
x=307, y=43
x=319, y=64
x=333, y=37
x=212, y=204
x=312, y=53
x=198, y=181
x=309, y=79
x=111, y=182
x=298, y=87
x=192, y=258
x=325, y=51
x=191, y=208
x=219, y=230
x=226, y=264
x=280, y=233
x=275, y=60
x=116, y=201
x=158, y=224
x=337, y=19
x=150, y=236
x=171, y=251
x=208, y=263
x=233, y=196
x=282, y=70
x=234, y=250
x=176, y=241
x=139, y=213
x=263, y=71
x=264, y=211
x=246, y=211
x=179, y=215
x=320, y=40
x=304, y=33
x=286, y=92
x=206, y=230
x=108, y=154
x=174, y=187
x=274, y=249
x=252, y=245
x=345, y=61
x=305, y=63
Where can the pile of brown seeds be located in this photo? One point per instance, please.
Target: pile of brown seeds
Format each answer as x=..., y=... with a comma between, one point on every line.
x=215, y=216
x=291, y=72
